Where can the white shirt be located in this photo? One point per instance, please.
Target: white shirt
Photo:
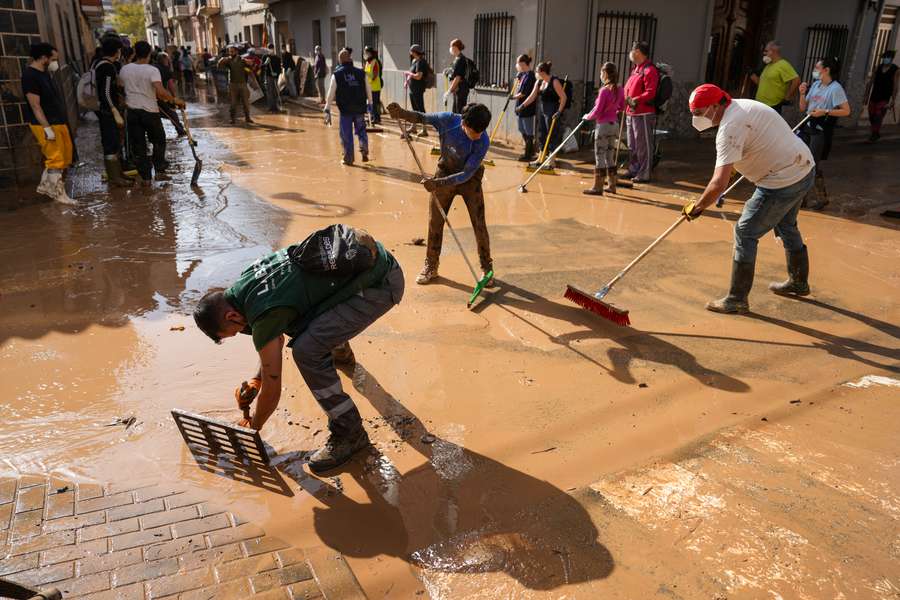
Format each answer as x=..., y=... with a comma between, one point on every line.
x=761, y=146
x=138, y=83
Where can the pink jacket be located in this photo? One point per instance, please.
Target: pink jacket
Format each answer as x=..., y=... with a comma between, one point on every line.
x=606, y=106
x=642, y=87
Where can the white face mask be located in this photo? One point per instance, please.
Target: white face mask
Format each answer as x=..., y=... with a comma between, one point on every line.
x=631, y=56
x=817, y=75
x=767, y=59
x=53, y=66
x=701, y=122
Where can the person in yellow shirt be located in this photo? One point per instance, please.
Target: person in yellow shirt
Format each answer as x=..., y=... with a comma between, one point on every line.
x=376, y=81
x=778, y=81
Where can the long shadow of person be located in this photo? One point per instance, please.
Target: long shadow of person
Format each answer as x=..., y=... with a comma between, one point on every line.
x=459, y=511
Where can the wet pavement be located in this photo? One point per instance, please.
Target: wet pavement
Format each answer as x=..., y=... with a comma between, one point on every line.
x=542, y=414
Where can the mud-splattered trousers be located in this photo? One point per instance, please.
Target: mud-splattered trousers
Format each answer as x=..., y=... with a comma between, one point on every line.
x=769, y=209
x=473, y=196
x=333, y=328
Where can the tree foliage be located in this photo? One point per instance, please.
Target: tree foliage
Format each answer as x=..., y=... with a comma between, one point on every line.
x=128, y=19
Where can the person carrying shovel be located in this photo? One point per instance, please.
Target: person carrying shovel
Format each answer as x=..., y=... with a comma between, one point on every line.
x=464, y=144
x=320, y=293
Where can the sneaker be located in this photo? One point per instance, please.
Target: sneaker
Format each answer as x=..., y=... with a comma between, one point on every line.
x=337, y=451
x=429, y=273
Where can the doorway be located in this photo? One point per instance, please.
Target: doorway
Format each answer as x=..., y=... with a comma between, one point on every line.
x=338, y=37
x=740, y=29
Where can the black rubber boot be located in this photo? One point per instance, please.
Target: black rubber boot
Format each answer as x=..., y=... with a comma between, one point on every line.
x=797, y=283
x=528, y=155
x=736, y=300
x=114, y=176
x=338, y=450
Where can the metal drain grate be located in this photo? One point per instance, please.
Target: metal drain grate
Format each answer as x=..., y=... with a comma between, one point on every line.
x=214, y=437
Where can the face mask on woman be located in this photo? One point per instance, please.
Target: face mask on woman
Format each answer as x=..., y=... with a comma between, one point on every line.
x=817, y=75
x=886, y=61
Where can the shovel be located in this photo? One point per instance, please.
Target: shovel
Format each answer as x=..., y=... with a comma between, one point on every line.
x=198, y=164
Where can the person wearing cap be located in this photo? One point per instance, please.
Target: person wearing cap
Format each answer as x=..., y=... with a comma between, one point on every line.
x=376, y=81
x=417, y=82
x=755, y=141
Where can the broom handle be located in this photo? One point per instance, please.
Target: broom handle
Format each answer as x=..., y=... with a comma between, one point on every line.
x=554, y=153
x=503, y=112
x=646, y=251
x=438, y=205
x=619, y=142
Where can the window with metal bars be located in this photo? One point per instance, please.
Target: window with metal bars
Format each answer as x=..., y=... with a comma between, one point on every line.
x=883, y=34
x=422, y=32
x=492, y=50
x=614, y=37
x=823, y=41
x=370, y=37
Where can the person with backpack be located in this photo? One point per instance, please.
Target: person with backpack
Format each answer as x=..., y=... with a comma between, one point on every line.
x=374, y=75
x=463, y=77
x=320, y=293
x=350, y=89
x=554, y=100
x=610, y=102
x=418, y=77
x=525, y=82
x=290, y=70
x=109, y=107
x=640, y=114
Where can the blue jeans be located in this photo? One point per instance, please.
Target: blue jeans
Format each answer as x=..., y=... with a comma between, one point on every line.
x=349, y=123
x=771, y=209
x=526, y=126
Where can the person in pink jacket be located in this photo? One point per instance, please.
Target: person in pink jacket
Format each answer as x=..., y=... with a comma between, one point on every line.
x=640, y=91
x=610, y=102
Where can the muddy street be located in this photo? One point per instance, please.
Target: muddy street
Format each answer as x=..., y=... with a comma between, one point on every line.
x=522, y=449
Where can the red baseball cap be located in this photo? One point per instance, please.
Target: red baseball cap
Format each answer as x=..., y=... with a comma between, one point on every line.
x=707, y=95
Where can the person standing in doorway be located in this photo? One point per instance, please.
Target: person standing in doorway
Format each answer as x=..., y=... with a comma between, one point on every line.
x=417, y=82
x=778, y=82
x=459, y=77
x=885, y=83
x=552, y=93
x=525, y=81
x=271, y=68
x=640, y=114
x=375, y=80
x=143, y=88
x=290, y=70
x=238, y=70
x=825, y=101
x=320, y=72
x=350, y=89
x=46, y=117
x=610, y=102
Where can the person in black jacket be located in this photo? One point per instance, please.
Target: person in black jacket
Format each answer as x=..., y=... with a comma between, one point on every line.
x=525, y=80
x=459, y=86
x=416, y=81
x=290, y=70
x=109, y=117
x=350, y=89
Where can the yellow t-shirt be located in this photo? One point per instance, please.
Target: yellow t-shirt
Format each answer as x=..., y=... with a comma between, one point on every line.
x=373, y=75
x=774, y=81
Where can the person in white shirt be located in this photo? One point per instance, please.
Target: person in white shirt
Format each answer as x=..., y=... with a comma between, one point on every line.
x=143, y=87
x=755, y=141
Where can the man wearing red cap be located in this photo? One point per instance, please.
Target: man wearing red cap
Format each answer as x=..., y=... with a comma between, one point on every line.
x=755, y=141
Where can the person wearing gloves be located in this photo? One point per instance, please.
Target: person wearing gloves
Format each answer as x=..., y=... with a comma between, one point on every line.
x=525, y=82
x=375, y=79
x=610, y=102
x=350, y=89
x=756, y=142
x=459, y=84
x=47, y=118
x=553, y=102
x=464, y=143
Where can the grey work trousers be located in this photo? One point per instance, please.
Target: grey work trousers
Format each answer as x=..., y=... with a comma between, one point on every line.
x=641, y=132
x=312, y=349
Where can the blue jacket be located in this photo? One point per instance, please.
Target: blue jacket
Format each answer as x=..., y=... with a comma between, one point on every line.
x=460, y=156
x=350, y=95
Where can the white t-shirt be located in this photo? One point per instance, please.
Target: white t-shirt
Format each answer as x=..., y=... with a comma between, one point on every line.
x=761, y=146
x=138, y=83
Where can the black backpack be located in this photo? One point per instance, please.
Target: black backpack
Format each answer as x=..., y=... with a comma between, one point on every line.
x=663, y=89
x=336, y=250
x=569, y=89
x=473, y=77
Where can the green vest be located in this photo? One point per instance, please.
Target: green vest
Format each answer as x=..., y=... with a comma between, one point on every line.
x=274, y=281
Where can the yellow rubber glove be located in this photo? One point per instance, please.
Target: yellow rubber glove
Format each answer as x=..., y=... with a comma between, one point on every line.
x=690, y=211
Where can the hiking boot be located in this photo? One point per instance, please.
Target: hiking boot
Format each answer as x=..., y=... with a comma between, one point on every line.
x=736, y=300
x=429, y=273
x=611, y=181
x=44, y=186
x=597, y=189
x=798, y=274
x=337, y=451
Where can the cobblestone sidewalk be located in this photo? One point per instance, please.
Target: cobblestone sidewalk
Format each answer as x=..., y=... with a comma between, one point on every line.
x=103, y=543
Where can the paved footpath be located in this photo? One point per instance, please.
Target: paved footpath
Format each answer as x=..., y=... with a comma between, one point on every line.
x=102, y=543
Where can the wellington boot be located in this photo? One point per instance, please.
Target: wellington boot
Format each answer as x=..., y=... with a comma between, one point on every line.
x=44, y=186
x=528, y=155
x=797, y=283
x=114, y=175
x=58, y=187
x=597, y=189
x=611, y=181
x=736, y=300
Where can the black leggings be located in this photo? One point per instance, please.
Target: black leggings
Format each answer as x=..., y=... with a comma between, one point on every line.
x=110, y=138
x=417, y=101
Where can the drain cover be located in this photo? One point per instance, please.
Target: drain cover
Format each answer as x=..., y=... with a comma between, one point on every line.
x=220, y=437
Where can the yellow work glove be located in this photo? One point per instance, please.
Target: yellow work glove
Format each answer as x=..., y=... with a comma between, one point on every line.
x=690, y=211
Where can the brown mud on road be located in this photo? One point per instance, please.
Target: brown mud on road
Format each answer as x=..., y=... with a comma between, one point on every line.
x=523, y=449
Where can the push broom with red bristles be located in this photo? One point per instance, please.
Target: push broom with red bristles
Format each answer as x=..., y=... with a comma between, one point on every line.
x=594, y=302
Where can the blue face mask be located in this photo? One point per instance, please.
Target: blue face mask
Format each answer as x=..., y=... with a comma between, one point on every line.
x=817, y=75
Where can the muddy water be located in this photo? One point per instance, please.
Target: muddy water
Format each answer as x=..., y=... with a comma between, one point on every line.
x=528, y=397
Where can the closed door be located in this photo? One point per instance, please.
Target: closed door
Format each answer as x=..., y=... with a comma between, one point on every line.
x=338, y=36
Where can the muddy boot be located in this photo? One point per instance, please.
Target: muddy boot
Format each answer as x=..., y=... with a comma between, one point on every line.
x=424, y=132
x=528, y=154
x=736, y=300
x=114, y=176
x=597, y=189
x=343, y=358
x=429, y=273
x=611, y=181
x=820, y=200
x=797, y=283
x=365, y=157
x=58, y=187
x=338, y=450
x=44, y=186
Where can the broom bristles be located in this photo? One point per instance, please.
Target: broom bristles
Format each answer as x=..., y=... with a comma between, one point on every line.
x=588, y=302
